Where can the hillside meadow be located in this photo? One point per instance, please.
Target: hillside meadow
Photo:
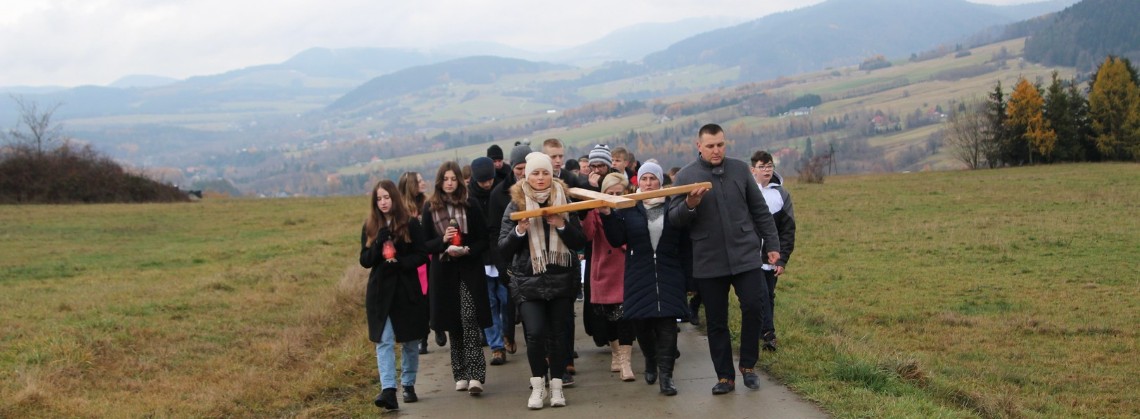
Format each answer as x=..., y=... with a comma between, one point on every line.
x=998, y=293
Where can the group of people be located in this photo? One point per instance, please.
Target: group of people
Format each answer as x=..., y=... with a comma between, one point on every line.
x=457, y=263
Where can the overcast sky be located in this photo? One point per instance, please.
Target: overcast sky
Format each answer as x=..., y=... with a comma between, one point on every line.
x=74, y=42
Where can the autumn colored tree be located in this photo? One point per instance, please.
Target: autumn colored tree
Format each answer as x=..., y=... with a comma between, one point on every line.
x=1114, y=110
x=1026, y=118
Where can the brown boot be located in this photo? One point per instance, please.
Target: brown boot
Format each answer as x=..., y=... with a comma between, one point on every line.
x=615, y=358
x=624, y=354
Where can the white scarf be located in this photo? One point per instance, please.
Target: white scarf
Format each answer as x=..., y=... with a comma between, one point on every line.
x=541, y=252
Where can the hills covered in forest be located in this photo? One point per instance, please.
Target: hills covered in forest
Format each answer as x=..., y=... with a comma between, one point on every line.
x=1080, y=36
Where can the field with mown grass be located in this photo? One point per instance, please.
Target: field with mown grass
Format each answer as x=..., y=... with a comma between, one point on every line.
x=998, y=293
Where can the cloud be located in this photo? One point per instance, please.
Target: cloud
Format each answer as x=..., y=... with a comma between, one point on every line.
x=70, y=42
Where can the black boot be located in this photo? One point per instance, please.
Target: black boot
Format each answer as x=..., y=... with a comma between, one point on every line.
x=650, y=368
x=387, y=399
x=666, y=384
x=410, y=394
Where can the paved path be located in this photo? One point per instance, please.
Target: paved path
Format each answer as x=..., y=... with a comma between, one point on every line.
x=599, y=393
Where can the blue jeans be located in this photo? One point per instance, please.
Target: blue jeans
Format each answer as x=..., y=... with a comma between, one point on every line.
x=497, y=293
x=386, y=358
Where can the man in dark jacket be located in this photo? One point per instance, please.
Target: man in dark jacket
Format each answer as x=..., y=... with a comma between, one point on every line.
x=479, y=189
x=497, y=204
x=728, y=226
x=780, y=205
x=495, y=153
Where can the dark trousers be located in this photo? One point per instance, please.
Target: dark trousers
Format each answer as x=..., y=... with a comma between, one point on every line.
x=751, y=290
x=769, y=321
x=658, y=341
x=545, y=329
x=510, y=317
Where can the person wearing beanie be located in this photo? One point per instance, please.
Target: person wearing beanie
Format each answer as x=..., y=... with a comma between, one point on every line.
x=495, y=153
x=653, y=168
x=479, y=189
x=601, y=163
x=544, y=271
x=500, y=198
x=518, y=156
x=572, y=167
x=653, y=261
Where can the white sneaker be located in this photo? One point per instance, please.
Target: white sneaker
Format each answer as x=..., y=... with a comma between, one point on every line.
x=537, y=393
x=475, y=387
x=557, y=398
x=461, y=385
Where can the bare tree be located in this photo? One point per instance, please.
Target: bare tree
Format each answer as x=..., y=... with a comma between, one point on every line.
x=34, y=130
x=967, y=137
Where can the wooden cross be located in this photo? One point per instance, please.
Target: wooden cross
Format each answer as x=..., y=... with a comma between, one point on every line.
x=597, y=200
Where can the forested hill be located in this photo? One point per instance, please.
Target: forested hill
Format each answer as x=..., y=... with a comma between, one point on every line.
x=471, y=70
x=834, y=33
x=1081, y=35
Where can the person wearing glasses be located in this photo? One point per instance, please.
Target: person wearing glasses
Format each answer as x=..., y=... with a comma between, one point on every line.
x=780, y=205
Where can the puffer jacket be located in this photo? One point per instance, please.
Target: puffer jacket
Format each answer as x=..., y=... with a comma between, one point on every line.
x=557, y=281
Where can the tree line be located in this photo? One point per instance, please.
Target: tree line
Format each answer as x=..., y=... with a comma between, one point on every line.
x=1058, y=123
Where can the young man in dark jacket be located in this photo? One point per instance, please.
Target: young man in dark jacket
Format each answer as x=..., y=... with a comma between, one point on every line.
x=728, y=226
x=496, y=205
x=479, y=189
x=780, y=205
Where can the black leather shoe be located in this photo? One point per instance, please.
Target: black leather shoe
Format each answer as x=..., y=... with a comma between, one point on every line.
x=410, y=394
x=440, y=338
x=650, y=377
x=724, y=386
x=695, y=320
x=667, y=387
x=423, y=347
x=387, y=399
x=769, y=342
x=751, y=380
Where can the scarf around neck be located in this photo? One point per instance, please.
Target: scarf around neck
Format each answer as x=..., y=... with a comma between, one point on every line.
x=542, y=250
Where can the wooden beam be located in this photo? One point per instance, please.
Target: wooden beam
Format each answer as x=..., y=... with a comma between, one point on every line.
x=613, y=201
x=598, y=200
x=573, y=206
x=675, y=190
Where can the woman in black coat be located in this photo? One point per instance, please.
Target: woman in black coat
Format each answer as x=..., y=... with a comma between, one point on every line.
x=545, y=273
x=654, y=276
x=392, y=246
x=456, y=237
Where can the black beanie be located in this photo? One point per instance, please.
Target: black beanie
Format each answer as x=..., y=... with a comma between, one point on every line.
x=495, y=152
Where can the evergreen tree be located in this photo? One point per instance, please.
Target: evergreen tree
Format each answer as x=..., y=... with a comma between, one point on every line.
x=1058, y=113
x=995, y=126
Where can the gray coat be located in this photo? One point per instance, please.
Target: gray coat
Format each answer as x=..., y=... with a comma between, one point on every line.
x=732, y=222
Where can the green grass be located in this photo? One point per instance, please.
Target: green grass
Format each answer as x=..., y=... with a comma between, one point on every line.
x=1003, y=293
x=998, y=293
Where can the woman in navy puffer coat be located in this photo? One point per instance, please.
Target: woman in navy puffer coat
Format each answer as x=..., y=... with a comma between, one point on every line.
x=654, y=276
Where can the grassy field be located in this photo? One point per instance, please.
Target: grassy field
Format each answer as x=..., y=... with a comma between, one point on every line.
x=1000, y=293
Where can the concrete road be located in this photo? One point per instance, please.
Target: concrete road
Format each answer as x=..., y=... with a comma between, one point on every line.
x=599, y=393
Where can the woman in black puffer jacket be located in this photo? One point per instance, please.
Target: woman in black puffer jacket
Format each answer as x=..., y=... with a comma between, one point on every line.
x=544, y=272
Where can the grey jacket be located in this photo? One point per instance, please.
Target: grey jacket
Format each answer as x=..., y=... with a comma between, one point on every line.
x=732, y=222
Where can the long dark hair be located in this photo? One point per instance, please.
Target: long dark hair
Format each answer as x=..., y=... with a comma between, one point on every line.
x=398, y=215
x=440, y=199
x=410, y=192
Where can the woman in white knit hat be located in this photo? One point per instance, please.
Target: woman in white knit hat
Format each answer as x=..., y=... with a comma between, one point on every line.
x=544, y=272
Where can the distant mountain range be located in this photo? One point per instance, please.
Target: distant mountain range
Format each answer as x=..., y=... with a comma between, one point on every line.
x=833, y=33
x=839, y=33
